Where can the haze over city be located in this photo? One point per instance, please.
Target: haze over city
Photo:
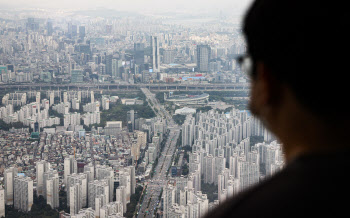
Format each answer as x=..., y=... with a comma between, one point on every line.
x=140, y=6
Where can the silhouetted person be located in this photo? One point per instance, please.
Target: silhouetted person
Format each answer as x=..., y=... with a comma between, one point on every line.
x=300, y=90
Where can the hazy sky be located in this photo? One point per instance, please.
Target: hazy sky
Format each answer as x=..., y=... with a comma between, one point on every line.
x=133, y=5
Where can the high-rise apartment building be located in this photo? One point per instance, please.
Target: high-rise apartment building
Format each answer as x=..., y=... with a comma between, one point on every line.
x=168, y=199
x=70, y=166
x=77, y=192
x=113, y=209
x=105, y=102
x=132, y=178
x=2, y=202
x=41, y=168
x=38, y=97
x=51, y=188
x=74, y=202
x=98, y=189
x=89, y=170
x=23, y=195
x=92, y=96
x=120, y=196
x=9, y=176
x=104, y=172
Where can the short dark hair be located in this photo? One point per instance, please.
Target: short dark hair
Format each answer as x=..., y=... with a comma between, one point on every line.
x=303, y=43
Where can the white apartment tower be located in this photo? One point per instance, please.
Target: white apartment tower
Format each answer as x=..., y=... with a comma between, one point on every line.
x=23, y=195
x=98, y=189
x=74, y=195
x=9, y=176
x=105, y=102
x=51, y=188
x=168, y=199
x=37, y=98
x=41, y=168
x=2, y=202
x=70, y=166
x=52, y=98
x=107, y=173
x=77, y=191
x=65, y=97
x=89, y=170
x=92, y=97
x=120, y=196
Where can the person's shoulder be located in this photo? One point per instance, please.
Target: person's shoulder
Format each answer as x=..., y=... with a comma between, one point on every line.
x=257, y=198
x=303, y=186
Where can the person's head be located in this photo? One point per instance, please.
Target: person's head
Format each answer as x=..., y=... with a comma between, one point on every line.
x=299, y=72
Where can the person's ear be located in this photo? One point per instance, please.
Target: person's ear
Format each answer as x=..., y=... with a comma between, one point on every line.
x=265, y=91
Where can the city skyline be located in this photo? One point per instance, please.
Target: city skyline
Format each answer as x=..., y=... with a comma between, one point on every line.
x=126, y=110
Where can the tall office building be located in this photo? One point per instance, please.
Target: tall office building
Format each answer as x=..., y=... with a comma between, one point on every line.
x=32, y=24
x=69, y=30
x=139, y=54
x=51, y=188
x=109, y=59
x=9, y=176
x=109, y=28
x=70, y=166
x=49, y=28
x=23, y=196
x=74, y=31
x=155, y=54
x=81, y=32
x=41, y=168
x=203, y=57
x=2, y=202
x=116, y=68
x=131, y=117
x=77, y=76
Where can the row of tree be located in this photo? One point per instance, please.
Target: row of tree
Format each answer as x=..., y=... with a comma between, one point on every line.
x=40, y=208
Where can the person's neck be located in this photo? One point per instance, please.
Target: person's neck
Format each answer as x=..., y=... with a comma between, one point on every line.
x=310, y=136
x=302, y=132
